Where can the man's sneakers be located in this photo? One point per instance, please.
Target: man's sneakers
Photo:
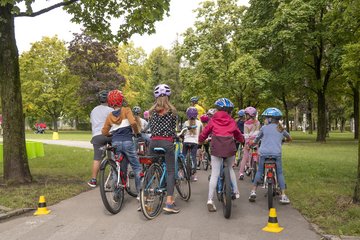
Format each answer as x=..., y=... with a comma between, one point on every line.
x=92, y=182
x=171, y=208
x=252, y=196
x=241, y=177
x=211, y=206
x=284, y=199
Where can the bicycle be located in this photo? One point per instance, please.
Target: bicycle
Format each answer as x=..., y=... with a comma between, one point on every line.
x=115, y=179
x=225, y=191
x=271, y=180
x=154, y=184
x=239, y=155
x=204, y=158
x=188, y=146
x=254, y=158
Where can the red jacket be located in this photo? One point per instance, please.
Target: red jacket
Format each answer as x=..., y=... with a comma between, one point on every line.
x=223, y=130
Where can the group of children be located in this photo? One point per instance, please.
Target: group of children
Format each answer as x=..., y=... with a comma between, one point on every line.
x=112, y=121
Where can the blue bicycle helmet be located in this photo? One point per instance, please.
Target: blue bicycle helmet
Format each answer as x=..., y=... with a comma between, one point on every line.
x=224, y=104
x=194, y=99
x=241, y=113
x=272, y=112
x=103, y=96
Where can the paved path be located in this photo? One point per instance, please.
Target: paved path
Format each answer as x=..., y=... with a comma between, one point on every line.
x=84, y=217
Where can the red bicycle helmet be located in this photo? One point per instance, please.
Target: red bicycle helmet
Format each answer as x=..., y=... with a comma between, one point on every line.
x=204, y=118
x=115, y=98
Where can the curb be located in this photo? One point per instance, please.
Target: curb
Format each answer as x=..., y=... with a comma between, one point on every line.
x=15, y=212
x=325, y=236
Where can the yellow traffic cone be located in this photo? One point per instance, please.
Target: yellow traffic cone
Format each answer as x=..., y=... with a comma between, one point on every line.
x=55, y=136
x=273, y=225
x=42, y=210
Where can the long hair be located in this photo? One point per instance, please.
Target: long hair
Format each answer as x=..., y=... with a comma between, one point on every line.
x=138, y=122
x=192, y=122
x=162, y=105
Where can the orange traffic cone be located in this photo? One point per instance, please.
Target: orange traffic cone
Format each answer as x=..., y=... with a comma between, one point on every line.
x=273, y=225
x=42, y=210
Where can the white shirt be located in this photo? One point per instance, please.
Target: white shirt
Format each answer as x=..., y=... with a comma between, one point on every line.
x=192, y=138
x=97, y=118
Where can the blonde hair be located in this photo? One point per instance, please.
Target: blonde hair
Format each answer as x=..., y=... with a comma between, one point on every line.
x=162, y=104
x=192, y=122
x=138, y=122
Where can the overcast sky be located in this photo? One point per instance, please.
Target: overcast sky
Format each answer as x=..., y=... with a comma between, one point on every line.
x=57, y=22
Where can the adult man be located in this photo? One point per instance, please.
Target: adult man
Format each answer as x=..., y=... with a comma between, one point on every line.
x=194, y=103
x=97, y=118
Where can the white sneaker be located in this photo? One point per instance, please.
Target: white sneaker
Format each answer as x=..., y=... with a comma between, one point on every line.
x=284, y=199
x=252, y=196
x=237, y=195
x=211, y=206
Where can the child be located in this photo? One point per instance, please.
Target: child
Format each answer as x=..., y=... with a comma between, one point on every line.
x=271, y=136
x=163, y=124
x=223, y=129
x=191, y=138
x=121, y=124
x=251, y=129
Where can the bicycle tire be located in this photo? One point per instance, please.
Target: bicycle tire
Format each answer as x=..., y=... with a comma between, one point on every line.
x=130, y=182
x=239, y=157
x=206, y=162
x=112, y=196
x=253, y=169
x=227, y=194
x=182, y=181
x=270, y=195
x=188, y=165
x=151, y=198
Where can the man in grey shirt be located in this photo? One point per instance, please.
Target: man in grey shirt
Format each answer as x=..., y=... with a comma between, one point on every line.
x=97, y=118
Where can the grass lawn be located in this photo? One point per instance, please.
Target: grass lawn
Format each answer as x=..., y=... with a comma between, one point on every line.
x=60, y=174
x=320, y=178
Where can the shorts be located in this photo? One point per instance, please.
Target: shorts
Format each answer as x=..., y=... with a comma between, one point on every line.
x=99, y=141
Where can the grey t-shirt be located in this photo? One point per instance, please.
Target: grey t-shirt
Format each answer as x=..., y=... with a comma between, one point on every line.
x=97, y=118
x=271, y=139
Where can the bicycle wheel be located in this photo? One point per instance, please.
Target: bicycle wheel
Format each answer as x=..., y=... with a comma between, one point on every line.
x=111, y=194
x=239, y=156
x=188, y=165
x=253, y=167
x=270, y=195
x=206, y=161
x=227, y=194
x=182, y=181
x=130, y=182
x=151, y=198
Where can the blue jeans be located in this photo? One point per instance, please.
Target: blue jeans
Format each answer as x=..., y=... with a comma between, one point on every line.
x=279, y=171
x=193, y=147
x=128, y=148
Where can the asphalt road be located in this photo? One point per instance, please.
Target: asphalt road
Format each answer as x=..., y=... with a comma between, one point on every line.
x=84, y=218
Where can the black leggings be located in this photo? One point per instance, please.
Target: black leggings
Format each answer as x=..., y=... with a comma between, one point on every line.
x=170, y=162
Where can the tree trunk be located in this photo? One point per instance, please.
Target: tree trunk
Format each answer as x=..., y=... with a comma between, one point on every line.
x=16, y=167
x=356, y=197
x=309, y=116
x=356, y=111
x=321, y=120
x=55, y=124
x=286, y=112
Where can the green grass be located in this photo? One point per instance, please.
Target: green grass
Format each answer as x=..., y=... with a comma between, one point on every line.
x=321, y=178
x=60, y=174
x=63, y=135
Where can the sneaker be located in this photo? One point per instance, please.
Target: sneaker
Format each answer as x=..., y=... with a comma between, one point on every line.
x=211, y=206
x=198, y=168
x=92, y=183
x=241, y=177
x=237, y=195
x=252, y=196
x=171, y=208
x=195, y=178
x=284, y=199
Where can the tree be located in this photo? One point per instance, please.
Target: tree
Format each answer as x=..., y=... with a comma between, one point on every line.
x=138, y=16
x=46, y=81
x=95, y=63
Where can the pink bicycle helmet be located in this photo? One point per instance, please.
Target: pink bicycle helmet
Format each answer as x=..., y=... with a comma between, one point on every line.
x=251, y=111
x=146, y=114
x=204, y=118
x=162, y=90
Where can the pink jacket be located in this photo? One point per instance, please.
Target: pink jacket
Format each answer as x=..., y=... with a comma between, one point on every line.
x=223, y=130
